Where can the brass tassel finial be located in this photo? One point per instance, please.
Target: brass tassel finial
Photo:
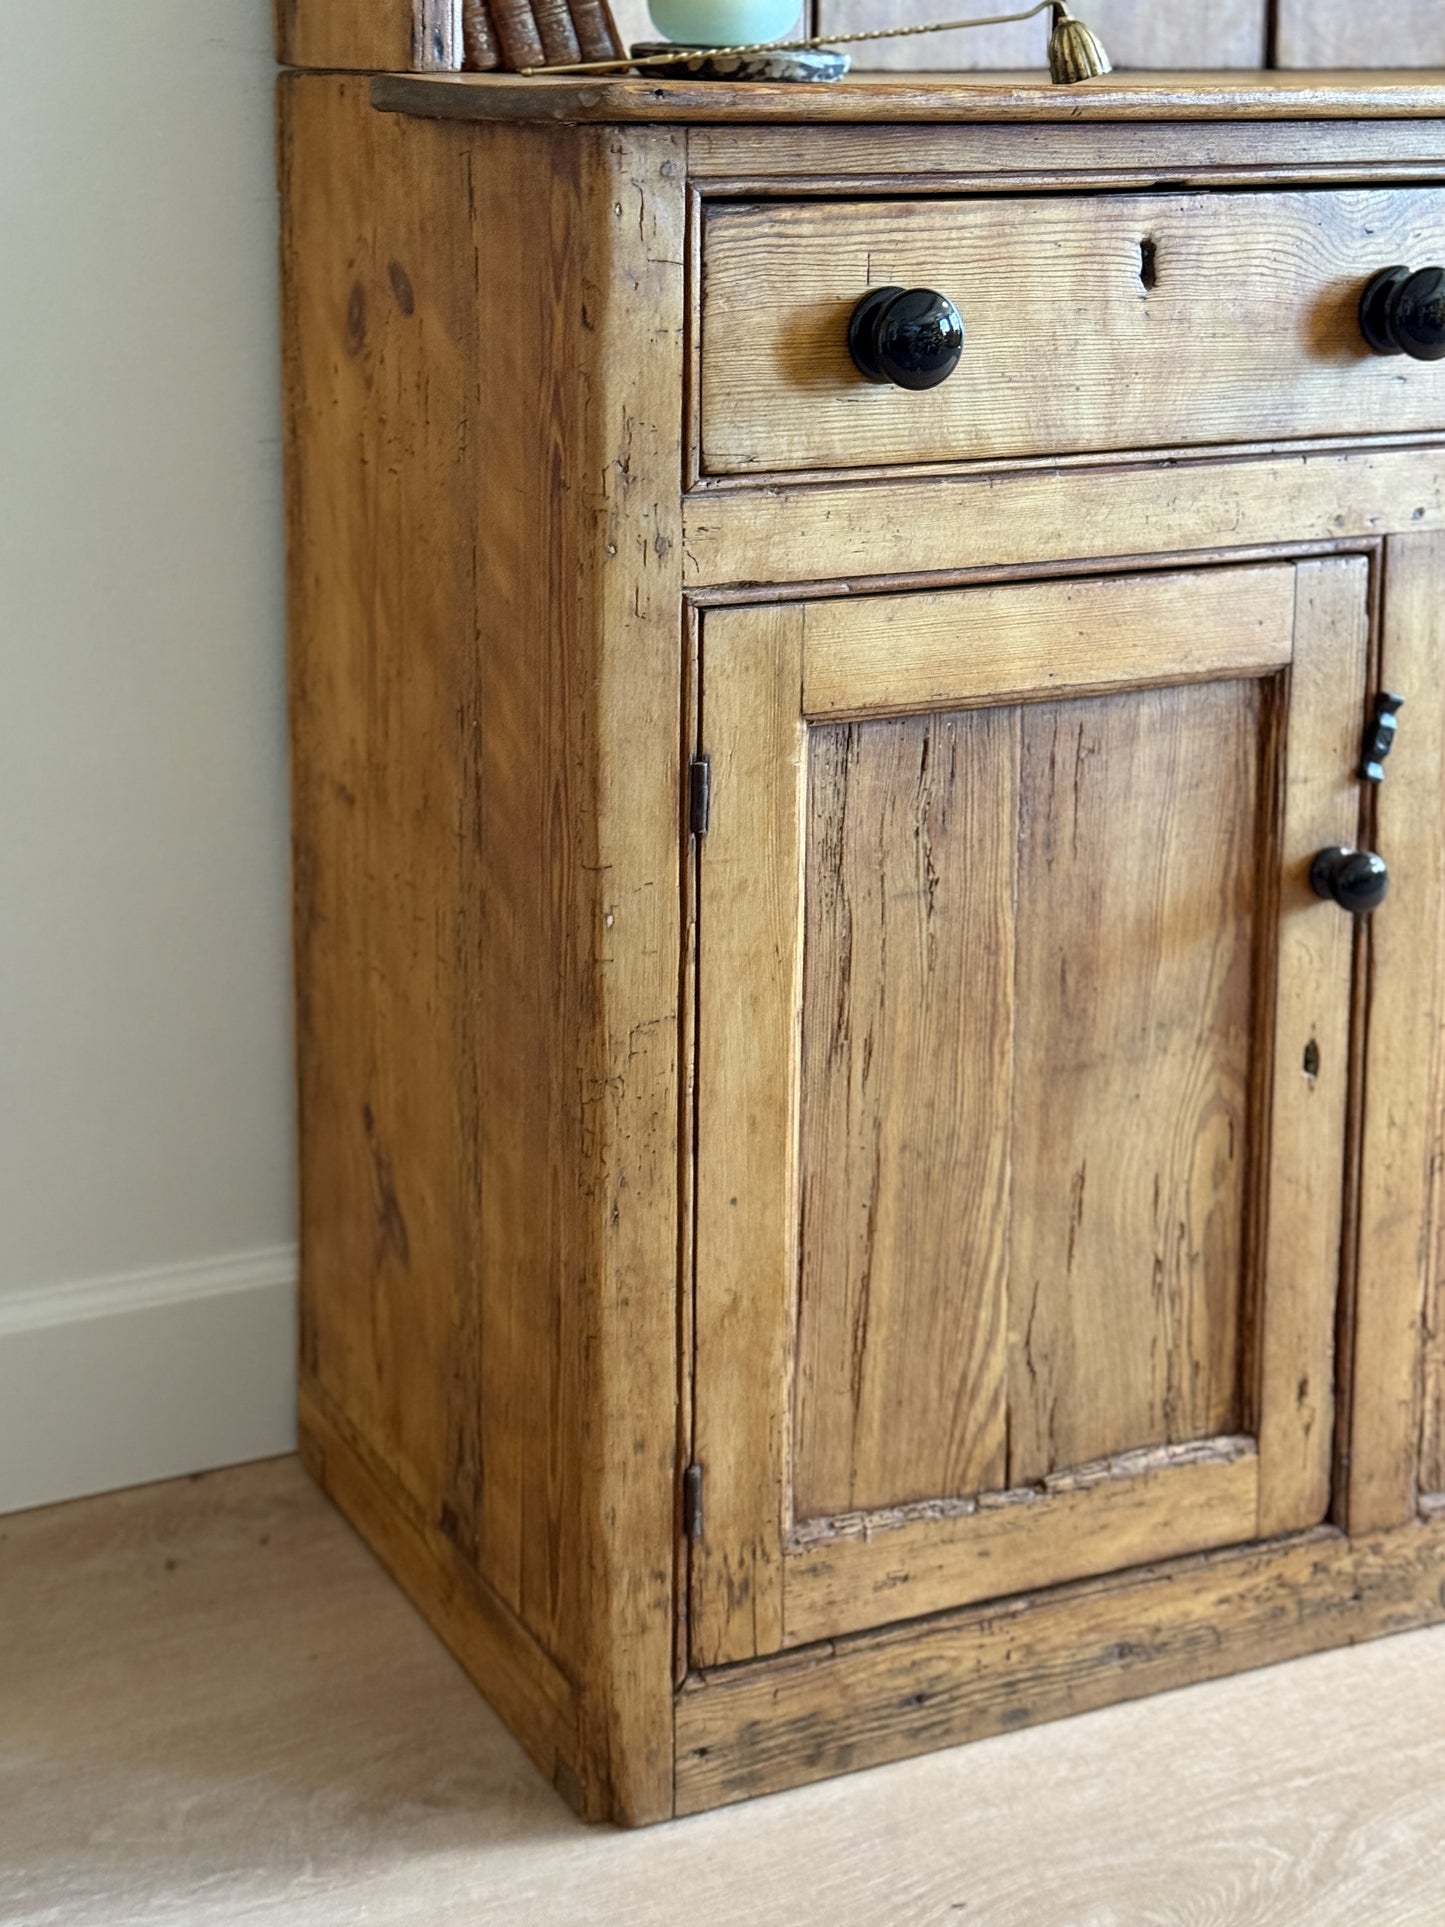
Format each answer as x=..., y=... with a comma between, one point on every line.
x=1075, y=51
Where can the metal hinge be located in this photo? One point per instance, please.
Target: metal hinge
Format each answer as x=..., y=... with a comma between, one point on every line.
x=692, y=1502
x=699, y=795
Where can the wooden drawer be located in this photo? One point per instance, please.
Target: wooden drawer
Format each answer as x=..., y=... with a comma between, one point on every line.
x=1095, y=323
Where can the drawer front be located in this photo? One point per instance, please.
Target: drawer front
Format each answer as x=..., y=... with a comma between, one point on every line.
x=1094, y=323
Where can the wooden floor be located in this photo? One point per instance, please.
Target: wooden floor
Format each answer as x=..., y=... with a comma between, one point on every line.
x=214, y=1707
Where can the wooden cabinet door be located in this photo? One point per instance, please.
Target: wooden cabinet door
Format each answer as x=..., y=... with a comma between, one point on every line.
x=1023, y=1080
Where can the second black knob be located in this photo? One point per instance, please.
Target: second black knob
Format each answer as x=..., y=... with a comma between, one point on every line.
x=1403, y=313
x=1357, y=880
x=909, y=336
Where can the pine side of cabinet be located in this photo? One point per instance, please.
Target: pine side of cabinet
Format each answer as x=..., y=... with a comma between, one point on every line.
x=483, y=367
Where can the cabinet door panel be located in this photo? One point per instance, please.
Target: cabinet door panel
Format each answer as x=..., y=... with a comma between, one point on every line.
x=1139, y=868
x=1023, y=1069
x=909, y=926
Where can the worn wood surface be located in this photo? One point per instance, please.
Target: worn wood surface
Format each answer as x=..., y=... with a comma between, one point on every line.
x=853, y=1574
x=1137, y=33
x=1138, y=862
x=879, y=98
x=1344, y=33
x=858, y=1702
x=492, y=534
x=488, y=1236
x=994, y=156
x=578, y=610
x=370, y=35
x=1157, y=321
x=536, y=1699
x=907, y=1079
x=1304, y=1229
x=1025, y=1193
x=1398, y=1311
x=383, y=735
x=750, y=918
x=876, y=654
x=944, y=526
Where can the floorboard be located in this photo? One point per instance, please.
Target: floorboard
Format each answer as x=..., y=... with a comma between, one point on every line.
x=214, y=1708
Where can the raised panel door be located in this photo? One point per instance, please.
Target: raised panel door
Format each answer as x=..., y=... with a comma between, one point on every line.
x=1023, y=1082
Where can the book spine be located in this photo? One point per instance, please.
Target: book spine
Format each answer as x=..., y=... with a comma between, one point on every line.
x=479, y=43
x=516, y=28
x=596, y=30
x=554, y=25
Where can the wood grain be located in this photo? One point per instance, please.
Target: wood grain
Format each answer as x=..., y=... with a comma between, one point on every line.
x=1136, y=887
x=880, y=99
x=946, y=525
x=1398, y=1312
x=859, y=1702
x=750, y=974
x=876, y=1569
x=1162, y=320
x=390, y=1236
x=1313, y=967
x=995, y=156
x=493, y=531
x=1038, y=968
x=578, y=601
x=489, y=1223
x=1342, y=33
x=532, y=1695
x=370, y=35
x=907, y=1075
x=1038, y=640
x=1137, y=33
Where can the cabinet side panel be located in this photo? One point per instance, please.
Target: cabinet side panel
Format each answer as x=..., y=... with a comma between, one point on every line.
x=370, y=36
x=483, y=482
x=385, y=706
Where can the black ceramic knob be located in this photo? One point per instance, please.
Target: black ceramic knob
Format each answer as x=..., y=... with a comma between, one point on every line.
x=1403, y=313
x=1357, y=880
x=909, y=336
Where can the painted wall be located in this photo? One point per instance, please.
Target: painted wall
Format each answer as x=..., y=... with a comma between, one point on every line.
x=145, y=1096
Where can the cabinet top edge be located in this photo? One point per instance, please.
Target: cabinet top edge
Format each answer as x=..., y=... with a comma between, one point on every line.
x=880, y=99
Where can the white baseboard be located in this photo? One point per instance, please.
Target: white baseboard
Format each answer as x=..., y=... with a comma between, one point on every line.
x=117, y=1381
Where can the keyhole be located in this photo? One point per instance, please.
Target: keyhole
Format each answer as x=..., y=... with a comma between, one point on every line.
x=1312, y=1059
x=1149, y=263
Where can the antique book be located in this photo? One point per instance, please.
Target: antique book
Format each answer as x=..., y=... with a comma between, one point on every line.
x=516, y=30
x=479, y=42
x=596, y=30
